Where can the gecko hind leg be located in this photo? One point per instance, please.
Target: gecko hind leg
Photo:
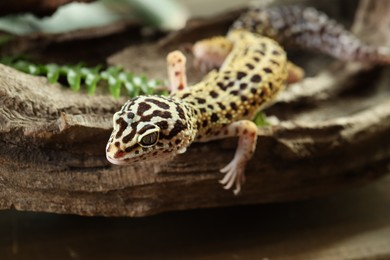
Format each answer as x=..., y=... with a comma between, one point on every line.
x=235, y=171
x=211, y=53
x=295, y=73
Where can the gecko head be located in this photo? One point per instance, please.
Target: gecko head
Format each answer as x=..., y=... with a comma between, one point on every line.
x=149, y=128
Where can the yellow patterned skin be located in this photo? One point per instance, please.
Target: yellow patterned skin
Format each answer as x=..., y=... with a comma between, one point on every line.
x=156, y=128
x=250, y=77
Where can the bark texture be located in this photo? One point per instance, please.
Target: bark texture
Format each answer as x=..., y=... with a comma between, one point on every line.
x=333, y=134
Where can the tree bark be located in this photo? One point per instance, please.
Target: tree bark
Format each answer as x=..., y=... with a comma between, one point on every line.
x=333, y=134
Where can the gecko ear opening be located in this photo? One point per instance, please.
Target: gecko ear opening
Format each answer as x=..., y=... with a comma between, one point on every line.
x=149, y=138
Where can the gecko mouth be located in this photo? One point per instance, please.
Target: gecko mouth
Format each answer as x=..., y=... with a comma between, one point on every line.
x=116, y=161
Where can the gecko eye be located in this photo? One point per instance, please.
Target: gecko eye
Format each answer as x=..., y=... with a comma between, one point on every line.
x=148, y=139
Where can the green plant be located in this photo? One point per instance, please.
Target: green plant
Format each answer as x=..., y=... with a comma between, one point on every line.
x=261, y=119
x=78, y=76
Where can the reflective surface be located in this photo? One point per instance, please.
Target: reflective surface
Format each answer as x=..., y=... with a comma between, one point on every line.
x=353, y=224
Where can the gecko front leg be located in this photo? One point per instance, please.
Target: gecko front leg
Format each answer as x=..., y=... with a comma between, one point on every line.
x=235, y=171
x=177, y=76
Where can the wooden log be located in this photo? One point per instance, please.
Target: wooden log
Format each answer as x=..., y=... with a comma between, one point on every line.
x=52, y=149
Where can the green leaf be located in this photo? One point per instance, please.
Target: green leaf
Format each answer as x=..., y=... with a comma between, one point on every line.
x=261, y=119
x=52, y=73
x=91, y=81
x=22, y=66
x=114, y=86
x=74, y=79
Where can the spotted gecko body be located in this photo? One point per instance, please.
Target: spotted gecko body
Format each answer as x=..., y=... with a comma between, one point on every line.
x=253, y=69
x=221, y=105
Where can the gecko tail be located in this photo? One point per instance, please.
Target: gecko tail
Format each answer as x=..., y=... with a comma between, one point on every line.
x=307, y=28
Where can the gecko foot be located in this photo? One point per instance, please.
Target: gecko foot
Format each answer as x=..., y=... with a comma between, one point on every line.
x=235, y=170
x=234, y=174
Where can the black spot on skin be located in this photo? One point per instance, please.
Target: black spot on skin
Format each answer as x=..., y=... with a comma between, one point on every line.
x=129, y=137
x=228, y=116
x=214, y=117
x=130, y=115
x=208, y=131
x=221, y=106
x=197, y=125
x=132, y=148
x=177, y=141
x=205, y=123
x=156, y=113
x=122, y=126
x=177, y=128
x=201, y=100
x=257, y=59
x=243, y=86
x=234, y=92
x=213, y=94
x=162, y=124
x=143, y=107
x=246, y=112
x=160, y=144
x=240, y=75
x=270, y=85
x=267, y=70
x=274, y=62
x=186, y=95
x=233, y=105
x=221, y=86
x=158, y=103
x=230, y=84
x=226, y=77
x=210, y=106
x=250, y=66
x=117, y=144
x=253, y=90
x=261, y=52
x=180, y=112
x=145, y=128
x=256, y=78
x=244, y=98
x=275, y=52
x=202, y=110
